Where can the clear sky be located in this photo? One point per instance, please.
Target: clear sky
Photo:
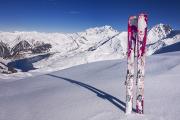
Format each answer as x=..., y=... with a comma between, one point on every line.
x=77, y=15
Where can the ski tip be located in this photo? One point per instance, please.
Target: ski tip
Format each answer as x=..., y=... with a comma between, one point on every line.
x=143, y=14
x=132, y=17
x=133, y=20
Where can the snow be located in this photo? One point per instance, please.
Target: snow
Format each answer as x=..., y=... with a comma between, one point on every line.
x=170, y=48
x=159, y=32
x=91, y=45
x=93, y=91
x=96, y=38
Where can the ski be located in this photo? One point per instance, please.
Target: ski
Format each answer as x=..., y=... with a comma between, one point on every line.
x=132, y=36
x=141, y=48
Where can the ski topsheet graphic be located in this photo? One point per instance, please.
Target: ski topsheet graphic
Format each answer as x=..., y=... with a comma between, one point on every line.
x=137, y=32
x=132, y=35
x=141, y=45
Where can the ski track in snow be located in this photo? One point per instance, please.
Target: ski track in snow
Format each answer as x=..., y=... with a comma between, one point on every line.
x=93, y=91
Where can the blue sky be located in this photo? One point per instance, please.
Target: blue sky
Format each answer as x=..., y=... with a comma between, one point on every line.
x=77, y=15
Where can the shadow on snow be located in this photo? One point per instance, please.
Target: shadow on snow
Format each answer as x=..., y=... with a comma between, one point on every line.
x=27, y=63
x=115, y=101
x=170, y=48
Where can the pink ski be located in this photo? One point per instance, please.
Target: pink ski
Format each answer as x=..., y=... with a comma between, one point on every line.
x=141, y=49
x=132, y=35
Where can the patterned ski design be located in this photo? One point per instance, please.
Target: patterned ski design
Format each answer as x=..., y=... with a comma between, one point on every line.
x=132, y=35
x=141, y=48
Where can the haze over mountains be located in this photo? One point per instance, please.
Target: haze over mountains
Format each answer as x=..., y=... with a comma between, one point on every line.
x=55, y=51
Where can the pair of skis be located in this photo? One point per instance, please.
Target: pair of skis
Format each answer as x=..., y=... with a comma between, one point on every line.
x=137, y=33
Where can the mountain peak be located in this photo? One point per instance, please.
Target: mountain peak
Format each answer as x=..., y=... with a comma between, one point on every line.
x=165, y=27
x=106, y=29
x=158, y=32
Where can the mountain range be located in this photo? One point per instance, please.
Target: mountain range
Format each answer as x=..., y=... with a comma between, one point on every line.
x=54, y=51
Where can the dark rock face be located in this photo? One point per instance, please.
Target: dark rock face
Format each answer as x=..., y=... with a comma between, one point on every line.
x=4, y=50
x=18, y=52
x=42, y=48
x=22, y=46
x=5, y=69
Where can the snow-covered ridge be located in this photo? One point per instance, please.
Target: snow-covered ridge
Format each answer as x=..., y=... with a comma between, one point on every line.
x=161, y=36
x=82, y=41
x=93, y=44
x=158, y=32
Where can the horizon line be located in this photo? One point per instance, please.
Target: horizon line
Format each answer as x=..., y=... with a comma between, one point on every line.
x=63, y=32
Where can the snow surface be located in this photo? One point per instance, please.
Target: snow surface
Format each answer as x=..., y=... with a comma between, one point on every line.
x=93, y=91
x=93, y=44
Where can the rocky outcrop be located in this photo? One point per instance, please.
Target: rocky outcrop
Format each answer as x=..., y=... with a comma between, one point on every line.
x=22, y=46
x=42, y=48
x=5, y=69
x=4, y=50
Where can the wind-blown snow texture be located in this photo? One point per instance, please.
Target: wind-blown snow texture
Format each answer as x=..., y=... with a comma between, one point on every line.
x=93, y=91
x=94, y=44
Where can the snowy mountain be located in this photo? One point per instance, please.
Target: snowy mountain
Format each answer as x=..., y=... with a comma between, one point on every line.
x=158, y=32
x=161, y=36
x=66, y=50
x=4, y=50
x=93, y=91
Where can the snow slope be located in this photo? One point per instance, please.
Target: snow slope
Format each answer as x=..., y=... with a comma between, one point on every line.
x=98, y=40
x=161, y=36
x=93, y=91
x=93, y=44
